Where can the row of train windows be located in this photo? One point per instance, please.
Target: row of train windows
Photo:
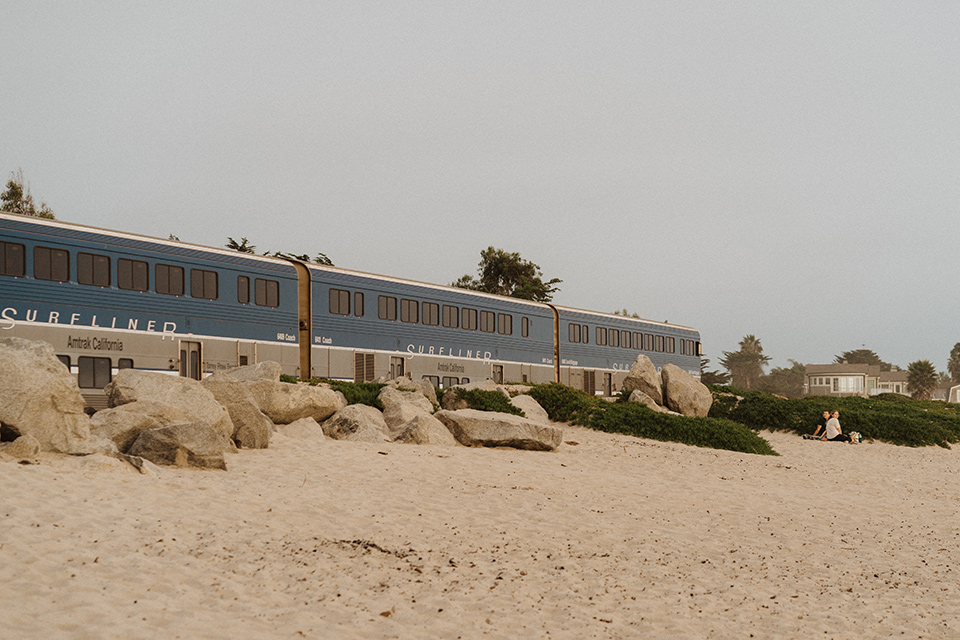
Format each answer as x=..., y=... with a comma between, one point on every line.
x=133, y=275
x=580, y=333
x=429, y=313
x=95, y=373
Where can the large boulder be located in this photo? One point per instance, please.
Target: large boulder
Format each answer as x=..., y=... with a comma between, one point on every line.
x=186, y=394
x=643, y=376
x=251, y=373
x=251, y=427
x=358, y=423
x=685, y=394
x=23, y=448
x=491, y=429
x=40, y=398
x=302, y=429
x=122, y=425
x=531, y=408
x=400, y=407
x=285, y=402
x=194, y=444
x=424, y=429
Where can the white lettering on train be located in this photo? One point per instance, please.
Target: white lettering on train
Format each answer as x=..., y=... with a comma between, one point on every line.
x=9, y=319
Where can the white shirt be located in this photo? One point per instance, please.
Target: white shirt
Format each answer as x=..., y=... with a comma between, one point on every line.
x=833, y=428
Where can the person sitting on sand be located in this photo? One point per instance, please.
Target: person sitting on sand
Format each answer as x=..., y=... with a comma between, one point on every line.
x=833, y=432
x=822, y=423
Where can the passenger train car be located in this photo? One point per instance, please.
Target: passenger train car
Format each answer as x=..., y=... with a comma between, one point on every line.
x=107, y=300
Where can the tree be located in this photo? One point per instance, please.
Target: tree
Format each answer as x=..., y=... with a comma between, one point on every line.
x=953, y=364
x=784, y=381
x=17, y=199
x=862, y=356
x=243, y=246
x=746, y=365
x=712, y=377
x=626, y=314
x=303, y=257
x=507, y=274
x=921, y=379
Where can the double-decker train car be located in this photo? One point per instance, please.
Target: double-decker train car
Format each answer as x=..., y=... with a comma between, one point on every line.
x=107, y=300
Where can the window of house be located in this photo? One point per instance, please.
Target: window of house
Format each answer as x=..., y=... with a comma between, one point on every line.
x=340, y=302
x=387, y=308
x=488, y=321
x=431, y=313
x=470, y=319
x=13, y=260
x=505, y=324
x=51, y=264
x=266, y=292
x=243, y=289
x=133, y=275
x=169, y=280
x=451, y=316
x=409, y=310
x=203, y=284
x=93, y=269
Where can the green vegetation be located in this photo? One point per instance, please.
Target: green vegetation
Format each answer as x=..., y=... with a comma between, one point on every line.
x=564, y=404
x=18, y=199
x=355, y=392
x=486, y=401
x=890, y=418
x=507, y=274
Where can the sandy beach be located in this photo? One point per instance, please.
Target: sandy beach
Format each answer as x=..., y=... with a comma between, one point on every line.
x=607, y=537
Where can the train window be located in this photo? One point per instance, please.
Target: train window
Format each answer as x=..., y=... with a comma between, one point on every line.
x=340, y=302
x=431, y=313
x=133, y=275
x=434, y=380
x=683, y=347
x=648, y=342
x=451, y=316
x=525, y=327
x=267, y=292
x=505, y=324
x=449, y=381
x=670, y=345
x=574, y=332
x=637, y=340
x=585, y=332
x=51, y=264
x=12, y=259
x=470, y=319
x=659, y=346
x=65, y=360
x=358, y=304
x=625, y=339
x=614, y=338
x=243, y=289
x=93, y=269
x=125, y=363
x=409, y=310
x=203, y=284
x=488, y=321
x=601, y=336
x=93, y=373
x=387, y=308
x=169, y=280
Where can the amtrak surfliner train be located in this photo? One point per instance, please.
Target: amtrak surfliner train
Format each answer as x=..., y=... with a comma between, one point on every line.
x=107, y=300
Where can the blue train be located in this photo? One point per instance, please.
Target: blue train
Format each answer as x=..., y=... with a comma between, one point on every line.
x=108, y=300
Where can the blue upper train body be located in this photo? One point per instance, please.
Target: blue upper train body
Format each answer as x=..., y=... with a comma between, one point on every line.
x=107, y=300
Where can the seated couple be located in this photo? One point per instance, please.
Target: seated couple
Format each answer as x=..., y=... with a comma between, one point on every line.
x=830, y=423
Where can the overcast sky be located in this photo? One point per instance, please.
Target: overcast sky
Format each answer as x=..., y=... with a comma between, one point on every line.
x=784, y=169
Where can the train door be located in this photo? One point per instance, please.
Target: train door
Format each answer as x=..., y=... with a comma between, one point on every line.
x=190, y=360
x=590, y=382
x=498, y=373
x=608, y=384
x=396, y=367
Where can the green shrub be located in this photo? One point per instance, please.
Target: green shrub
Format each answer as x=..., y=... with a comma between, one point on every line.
x=482, y=400
x=564, y=404
x=891, y=418
x=355, y=392
x=291, y=379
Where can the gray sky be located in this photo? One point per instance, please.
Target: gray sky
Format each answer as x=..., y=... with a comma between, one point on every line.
x=786, y=169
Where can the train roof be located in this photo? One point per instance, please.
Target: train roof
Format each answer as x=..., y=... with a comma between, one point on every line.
x=234, y=255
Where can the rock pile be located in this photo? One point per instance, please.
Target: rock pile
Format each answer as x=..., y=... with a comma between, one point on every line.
x=673, y=390
x=170, y=420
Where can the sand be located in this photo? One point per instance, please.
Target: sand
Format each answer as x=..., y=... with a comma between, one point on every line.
x=612, y=537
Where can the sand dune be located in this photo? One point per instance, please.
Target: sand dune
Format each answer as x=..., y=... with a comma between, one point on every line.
x=613, y=537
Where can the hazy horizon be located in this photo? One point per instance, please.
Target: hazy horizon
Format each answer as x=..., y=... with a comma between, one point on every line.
x=787, y=171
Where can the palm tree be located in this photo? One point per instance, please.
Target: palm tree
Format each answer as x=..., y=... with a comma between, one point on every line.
x=745, y=365
x=953, y=364
x=921, y=379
